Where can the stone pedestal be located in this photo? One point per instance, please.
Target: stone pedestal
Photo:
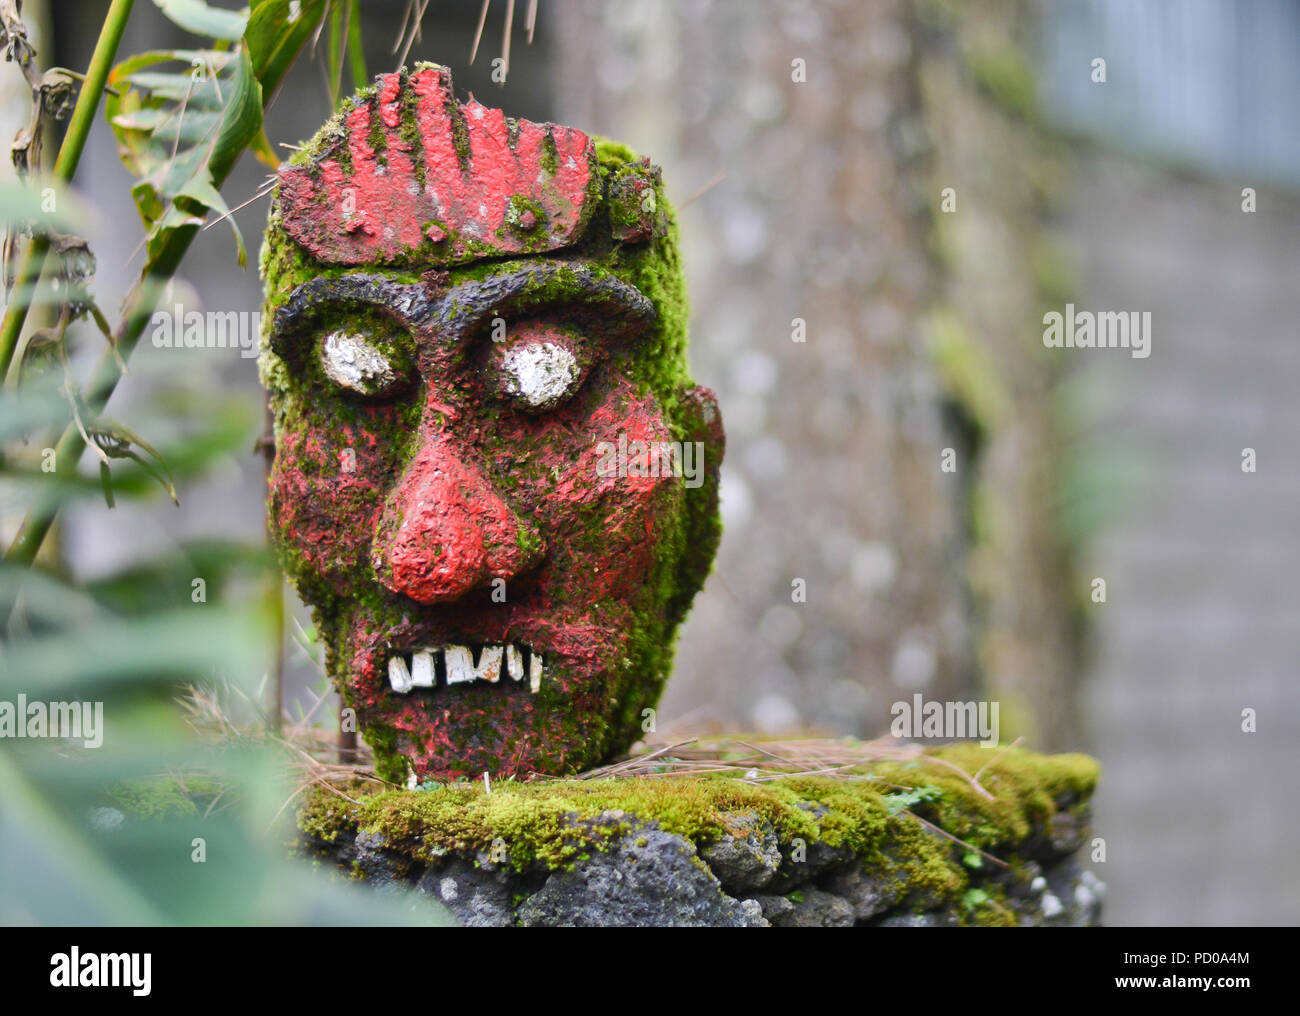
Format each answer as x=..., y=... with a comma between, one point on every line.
x=958, y=837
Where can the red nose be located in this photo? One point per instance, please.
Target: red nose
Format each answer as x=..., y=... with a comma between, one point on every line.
x=444, y=531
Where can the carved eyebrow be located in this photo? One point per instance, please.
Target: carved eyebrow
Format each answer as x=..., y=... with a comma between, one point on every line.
x=408, y=304
x=455, y=315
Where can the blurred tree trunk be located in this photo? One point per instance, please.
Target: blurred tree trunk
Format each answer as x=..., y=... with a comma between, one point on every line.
x=922, y=334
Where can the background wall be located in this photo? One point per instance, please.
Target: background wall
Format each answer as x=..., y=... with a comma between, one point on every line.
x=1200, y=556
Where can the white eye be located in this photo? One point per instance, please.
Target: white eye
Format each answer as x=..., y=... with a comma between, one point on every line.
x=541, y=374
x=352, y=362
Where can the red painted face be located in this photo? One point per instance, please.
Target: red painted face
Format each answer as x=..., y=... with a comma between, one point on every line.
x=497, y=586
x=497, y=488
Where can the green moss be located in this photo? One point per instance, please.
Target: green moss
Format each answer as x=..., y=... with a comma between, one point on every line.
x=164, y=797
x=966, y=370
x=1024, y=789
x=529, y=541
x=376, y=137
x=389, y=765
x=553, y=824
x=519, y=211
x=613, y=154
x=987, y=907
x=1002, y=72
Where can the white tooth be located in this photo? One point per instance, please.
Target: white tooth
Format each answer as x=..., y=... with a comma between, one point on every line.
x=398, y=676
x=514, y=662
x=489, y=664
x=460, y=664
x=423, y=674
x=535, y=671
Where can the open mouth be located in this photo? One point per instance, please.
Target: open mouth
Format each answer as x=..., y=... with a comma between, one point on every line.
x=443, y=667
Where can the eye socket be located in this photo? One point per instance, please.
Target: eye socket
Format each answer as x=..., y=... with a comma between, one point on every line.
x=352, y=361
x=540, y=374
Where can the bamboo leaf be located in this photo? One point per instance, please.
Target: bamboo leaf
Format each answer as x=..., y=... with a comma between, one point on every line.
x=180, y=131
x=357, y=54
x=200, y=189
x=119, y=441
x=106, y=481
x=197, y=17
x=157, y=648
x=243, y=118
x=338, y=43
x=29, y=202
x=151, y=57
x=277, y=31
x=71, y=883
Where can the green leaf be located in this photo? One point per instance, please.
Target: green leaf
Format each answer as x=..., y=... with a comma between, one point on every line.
x=148, y=122
x=106, y=481
x=69, y=879
x=902, y=799
x=151, y=57
x=47, y=599
x=197, y=86
x=119, y=441
x=28, y=409
x=152, y=650
x=356, y=51
x=275, y=37
x=171, y=222
x=179, y=132
x=28, y=202
x=201, y=190
x=338, y=42
x=164, y=580
x=227, y=430
x=243, y=116
x=197, y=17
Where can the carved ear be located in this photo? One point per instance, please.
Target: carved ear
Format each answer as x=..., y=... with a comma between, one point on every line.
x=702, y=421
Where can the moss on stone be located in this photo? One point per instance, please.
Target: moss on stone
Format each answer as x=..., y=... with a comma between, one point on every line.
x=987, y=907
x=1026, y=790
x=613, y=154
x=163, y=798
x=552, y=824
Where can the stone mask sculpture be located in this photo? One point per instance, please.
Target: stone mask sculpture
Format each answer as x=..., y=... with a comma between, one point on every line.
x=494, y=480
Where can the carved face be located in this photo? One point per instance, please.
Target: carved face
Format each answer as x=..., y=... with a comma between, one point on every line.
x=494, y=481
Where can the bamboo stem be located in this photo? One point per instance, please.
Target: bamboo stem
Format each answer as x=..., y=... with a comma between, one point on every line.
x=138, y=309
x=65, y=166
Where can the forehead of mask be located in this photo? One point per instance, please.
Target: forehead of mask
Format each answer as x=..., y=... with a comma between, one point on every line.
x=405, y=175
